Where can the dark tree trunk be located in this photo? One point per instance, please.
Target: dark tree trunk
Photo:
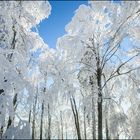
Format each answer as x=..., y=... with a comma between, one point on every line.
x=76, y=117
x=99, y=74
x=93, y=121
x=41, y=123
x=100, y=120
x=30, y=116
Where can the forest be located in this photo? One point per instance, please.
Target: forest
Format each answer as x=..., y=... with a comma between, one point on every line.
x=87, y=87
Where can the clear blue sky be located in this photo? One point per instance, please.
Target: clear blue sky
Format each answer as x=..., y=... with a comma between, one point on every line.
x=53, y=27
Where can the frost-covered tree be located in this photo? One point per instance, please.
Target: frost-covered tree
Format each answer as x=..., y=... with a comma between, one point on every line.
x=86, y=88
x=17, y=44
x=94, y=41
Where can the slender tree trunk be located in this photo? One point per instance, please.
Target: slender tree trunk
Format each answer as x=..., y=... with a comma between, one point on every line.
x=107, y=131
x=93, y=121
x=100, y=120
x=76, y=117
x=85, y=133
x=93, y=110
x=99, y=74
x=41, y=123
x=58, y=126
x=66, y=132
x=49, y=123
x=30, y=116
x=61, y=125
x=34, y=115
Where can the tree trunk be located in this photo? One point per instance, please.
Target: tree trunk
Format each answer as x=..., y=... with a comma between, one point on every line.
x=76, y=117
x=61, y=125
x=66, y=132
x=49, y=123
x=30, y=116
x=41, y=123
x=99, y=74
x=93, y=121
x=33, y=123
x=58, y=127
x=100, y=120
x=107, y=131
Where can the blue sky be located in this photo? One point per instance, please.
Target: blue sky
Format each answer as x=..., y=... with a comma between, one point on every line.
x=53, y=27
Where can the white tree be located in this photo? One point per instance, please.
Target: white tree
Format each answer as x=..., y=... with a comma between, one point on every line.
x=16, y=46
x=94, y=40
x=86, y=88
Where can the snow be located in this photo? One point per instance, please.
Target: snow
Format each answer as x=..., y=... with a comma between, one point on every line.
x=96, y=61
